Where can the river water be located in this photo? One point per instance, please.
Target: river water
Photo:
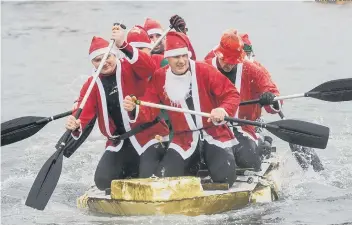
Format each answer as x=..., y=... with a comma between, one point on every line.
x=45, y=61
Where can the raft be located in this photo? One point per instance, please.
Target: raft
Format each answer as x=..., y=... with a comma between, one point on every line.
x=190, y=196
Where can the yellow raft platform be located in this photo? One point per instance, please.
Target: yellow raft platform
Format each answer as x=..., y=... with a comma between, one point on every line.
x=189, y=196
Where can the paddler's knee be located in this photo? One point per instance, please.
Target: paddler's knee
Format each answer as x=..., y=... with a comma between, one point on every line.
x=102, y=183
x=171, y=165
x=247, y=154
x=223, y=170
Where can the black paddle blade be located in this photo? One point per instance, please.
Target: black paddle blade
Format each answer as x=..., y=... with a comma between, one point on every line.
x=18, y=129
x=18, y=123
x=46, y=181
x=333, y=91
x=300, y=133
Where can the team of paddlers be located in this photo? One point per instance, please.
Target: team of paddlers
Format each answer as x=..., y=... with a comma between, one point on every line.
x=170, y=74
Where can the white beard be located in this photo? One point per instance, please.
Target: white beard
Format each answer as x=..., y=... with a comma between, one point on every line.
x=177, y=87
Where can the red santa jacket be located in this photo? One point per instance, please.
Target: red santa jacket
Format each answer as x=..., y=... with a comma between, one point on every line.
x=132, y=77
x=210, y=89
x=257, y=110
x=157, y=58
x=252, y=81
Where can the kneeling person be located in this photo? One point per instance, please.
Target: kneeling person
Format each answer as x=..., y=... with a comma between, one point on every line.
x=118, y=78
x=252, y=82
x=197, y=86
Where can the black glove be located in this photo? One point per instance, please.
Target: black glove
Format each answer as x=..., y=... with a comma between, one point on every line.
x=178, y=23
x=267, y=98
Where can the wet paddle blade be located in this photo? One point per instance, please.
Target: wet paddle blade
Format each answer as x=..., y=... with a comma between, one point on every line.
x=20, y=134
x=46, y=181
x=300, y=133
x=18, y=123
x=333, y=91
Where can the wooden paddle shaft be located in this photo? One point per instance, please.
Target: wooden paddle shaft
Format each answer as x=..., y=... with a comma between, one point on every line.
x=160, y=39
x=97, y=72
x=229, y=119
x=170, y=108
x=95, y=76
x=290, y=96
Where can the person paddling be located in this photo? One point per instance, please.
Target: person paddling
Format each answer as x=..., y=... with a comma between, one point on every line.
x=197, y=86
x=252, y=83
x=138, y=38
x=119, y=78
x=155, y=30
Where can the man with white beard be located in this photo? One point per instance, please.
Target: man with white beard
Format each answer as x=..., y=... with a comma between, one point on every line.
x=188, y=84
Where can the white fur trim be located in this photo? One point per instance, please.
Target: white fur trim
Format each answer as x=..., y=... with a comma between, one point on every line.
x=101, y=51
x=80, y=133
x=155, y=31
x=244, y=133
x=134, y=57
x=177, y=51
x=227, y=144
x=238, y=83
x=222, y=122
x=115, y=148
x=141, y=45
x=277, y=110
x=185, y=154
x=135, y=116
x=104, y=106
x=213, y=62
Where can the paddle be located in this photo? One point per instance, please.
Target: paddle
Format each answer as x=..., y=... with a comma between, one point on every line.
x=292, y=131
x=305, y=155
x=49, y=175
x=161, y=38
x=23, y=127
x=331, y=91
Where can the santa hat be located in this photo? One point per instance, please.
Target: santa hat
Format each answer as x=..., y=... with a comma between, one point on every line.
x=247, y=43
x=138, y=37
x=231, y=47
x=99, y=46
x=177, y=43
x=152, y=27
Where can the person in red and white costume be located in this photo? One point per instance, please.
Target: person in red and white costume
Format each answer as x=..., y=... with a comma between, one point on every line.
x=155, y=30
x=248, y=49
x=252, y=82
x=138, y=38
x=119, y=78
x=188, y=84
x=303, y=155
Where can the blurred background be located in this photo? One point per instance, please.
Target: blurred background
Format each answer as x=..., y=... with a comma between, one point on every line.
x=44, y=58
